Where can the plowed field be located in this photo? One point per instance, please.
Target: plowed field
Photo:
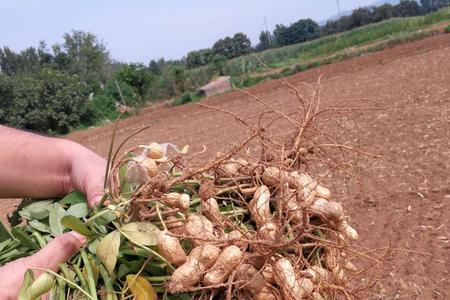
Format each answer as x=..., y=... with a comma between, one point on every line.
x=406, y=203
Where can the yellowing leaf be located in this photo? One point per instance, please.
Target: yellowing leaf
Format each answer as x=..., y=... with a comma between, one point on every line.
x=141, y=288
x=108, y=249
x=140, y=233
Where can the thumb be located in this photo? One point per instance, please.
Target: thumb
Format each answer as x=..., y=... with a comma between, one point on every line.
x=59, y=250
x=95, y=199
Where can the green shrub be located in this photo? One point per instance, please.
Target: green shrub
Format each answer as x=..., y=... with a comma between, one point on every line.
x=104, y=103
x=49, y=101
x=447, y=29
x=186, y=98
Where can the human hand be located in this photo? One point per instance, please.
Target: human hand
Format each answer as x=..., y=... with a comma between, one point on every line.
x=87, y=173
x=68, y=166
x=57, y=251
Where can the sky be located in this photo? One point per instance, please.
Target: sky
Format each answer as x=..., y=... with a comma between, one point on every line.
x=141, y=30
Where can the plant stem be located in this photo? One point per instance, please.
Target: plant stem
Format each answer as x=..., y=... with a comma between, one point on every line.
x=157, y=278
x=81, y=277
x=40, y=239
x=108, y=283
x=65, y=270
x=61, y=288
x=90, y=274
x=234, y=212
x=64, y=279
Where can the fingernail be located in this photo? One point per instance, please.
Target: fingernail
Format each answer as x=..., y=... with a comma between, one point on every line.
x=81, y=238
x=95, y=201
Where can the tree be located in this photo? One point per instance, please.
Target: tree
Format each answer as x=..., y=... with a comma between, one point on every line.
x=265, y=40
x=199, y=58
x=383, y=12
x=432, y=5
x=156, y=67
x=6, y=98
x=236, y=46
x=29, y=60
x=407, y=8
x=360, y=17
x=81, y=53
x=136, y=76
x=241, y=45
x=9, y=62
x=298, y=32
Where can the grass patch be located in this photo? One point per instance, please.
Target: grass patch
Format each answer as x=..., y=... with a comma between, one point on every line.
x=289, y=55
x=447, y=29
x=247, y=81
x=186, y=97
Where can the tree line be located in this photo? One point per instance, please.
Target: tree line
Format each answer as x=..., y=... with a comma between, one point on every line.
x=306, y=29
x=75, y=83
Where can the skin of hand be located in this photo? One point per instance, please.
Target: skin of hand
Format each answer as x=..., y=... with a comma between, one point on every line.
x=42, y=167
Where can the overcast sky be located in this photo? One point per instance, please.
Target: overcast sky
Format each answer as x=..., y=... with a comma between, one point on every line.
x=141, y=30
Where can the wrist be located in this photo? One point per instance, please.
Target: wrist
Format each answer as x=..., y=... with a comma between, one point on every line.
x=67, y=150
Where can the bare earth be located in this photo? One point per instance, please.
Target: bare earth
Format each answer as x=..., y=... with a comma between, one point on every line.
x=407, y=190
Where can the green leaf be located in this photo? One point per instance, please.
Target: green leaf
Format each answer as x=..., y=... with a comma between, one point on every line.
x=12, y=244
x=129, y=266
x=25, y=214
x=140, y=233
x=56, y=213
x=123, y=270
x=93, y=246
x=74, y=198
x=79, y=210
x=77, y=225
x=41, y=285
x=36, y=210
x=39, y=226
x=4, y=244
x=24, y=238
x=106, y=218
x=141, y=288
x=4, y=233
x=108, y=250
x=6, y=257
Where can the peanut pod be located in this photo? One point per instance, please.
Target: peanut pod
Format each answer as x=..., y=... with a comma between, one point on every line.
x=259, y=206
x=191, y=272
x=227, y=261
x=291, y=287
x=176, y=200
x=170, y=248
x=199, y=229
x=253, y=282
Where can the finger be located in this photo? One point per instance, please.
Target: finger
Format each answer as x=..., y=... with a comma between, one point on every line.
x=57, y=251
x=94, y=199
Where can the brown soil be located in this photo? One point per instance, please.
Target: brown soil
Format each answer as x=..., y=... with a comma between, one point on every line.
x=406, y=203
